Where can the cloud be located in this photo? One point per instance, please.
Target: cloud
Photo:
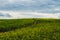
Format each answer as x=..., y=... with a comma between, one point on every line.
x=46, y=6
x=21, y=14
x=31, y=8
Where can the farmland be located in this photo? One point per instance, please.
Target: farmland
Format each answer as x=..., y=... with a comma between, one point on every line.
x=30, y=29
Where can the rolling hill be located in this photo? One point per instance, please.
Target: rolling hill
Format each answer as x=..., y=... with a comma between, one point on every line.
x=30, y=29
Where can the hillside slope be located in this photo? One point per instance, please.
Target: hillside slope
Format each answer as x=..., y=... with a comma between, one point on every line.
x=30, y=29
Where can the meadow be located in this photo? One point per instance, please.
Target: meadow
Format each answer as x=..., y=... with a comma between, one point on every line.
x=30, y=29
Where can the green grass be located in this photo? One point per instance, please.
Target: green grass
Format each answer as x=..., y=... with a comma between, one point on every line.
x=30, y=29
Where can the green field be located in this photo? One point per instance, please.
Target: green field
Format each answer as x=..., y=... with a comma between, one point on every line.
x=30, y=29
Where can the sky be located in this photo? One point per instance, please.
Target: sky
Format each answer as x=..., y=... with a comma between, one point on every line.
x=30, y=8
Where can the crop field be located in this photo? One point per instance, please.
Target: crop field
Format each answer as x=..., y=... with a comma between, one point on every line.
x=30, y=29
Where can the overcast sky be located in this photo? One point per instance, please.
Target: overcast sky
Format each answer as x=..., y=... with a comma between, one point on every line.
x=31, y=8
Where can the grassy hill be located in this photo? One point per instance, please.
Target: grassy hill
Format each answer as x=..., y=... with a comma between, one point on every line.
x=30, y=29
